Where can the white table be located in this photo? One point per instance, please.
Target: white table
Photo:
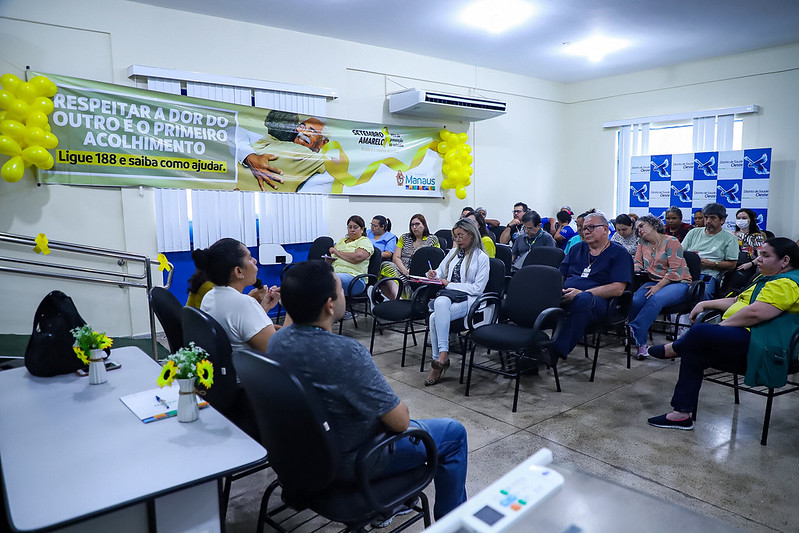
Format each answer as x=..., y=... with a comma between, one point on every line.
x=71, y=451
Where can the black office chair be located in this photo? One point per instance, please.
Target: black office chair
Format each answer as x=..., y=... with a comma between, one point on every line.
x=505, y=254
x=497, y=231
x=304, y=453
x=369, y=279
x=728, y=375
x=319, y=247
x=167, y=309
x=444, y=238
x=226, y=395
x=544, y=255
x=532, y=307
x=388, y=314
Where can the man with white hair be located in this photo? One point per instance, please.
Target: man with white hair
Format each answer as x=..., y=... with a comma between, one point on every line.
x=594, y=271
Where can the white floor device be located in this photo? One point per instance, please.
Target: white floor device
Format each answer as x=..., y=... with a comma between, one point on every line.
x=505, y=501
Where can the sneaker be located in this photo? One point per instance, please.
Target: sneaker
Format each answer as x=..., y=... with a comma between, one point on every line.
x=403, y=511
x=663, y=422
x=643, y=352
x=348, y=315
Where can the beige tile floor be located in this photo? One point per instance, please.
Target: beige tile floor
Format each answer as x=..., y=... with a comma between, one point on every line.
x=719, y=469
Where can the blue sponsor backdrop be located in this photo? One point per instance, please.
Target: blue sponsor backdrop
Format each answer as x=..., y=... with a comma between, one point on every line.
x=735, y=179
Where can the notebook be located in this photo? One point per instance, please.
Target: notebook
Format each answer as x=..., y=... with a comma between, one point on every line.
x=145, y=405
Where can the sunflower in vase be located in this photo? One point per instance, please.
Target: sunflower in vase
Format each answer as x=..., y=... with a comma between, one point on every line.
x=187, y=363
x=86, y=340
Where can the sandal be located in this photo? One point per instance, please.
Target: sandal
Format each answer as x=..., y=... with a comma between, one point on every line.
x=659, y=352
x=441, y=367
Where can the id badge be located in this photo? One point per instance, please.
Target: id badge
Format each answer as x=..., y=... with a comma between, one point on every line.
x=586, y=272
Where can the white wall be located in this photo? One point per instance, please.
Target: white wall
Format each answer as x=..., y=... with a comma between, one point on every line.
x=99, y=39
x=549, y=150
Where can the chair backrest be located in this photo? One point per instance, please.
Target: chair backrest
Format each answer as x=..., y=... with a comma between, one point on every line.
x=694, y=263
x=201, y=328
x=374, y=264
x=505, y=254
x=496, y=276
x=444, y=238
x=421, y=257
x=319, y=247
x=544, y=255
x=497, y=231
x=532, y=289
x=167, y=309
x=303, y=449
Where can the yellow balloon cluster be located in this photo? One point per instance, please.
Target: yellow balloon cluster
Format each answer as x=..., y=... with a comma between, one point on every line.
x=457, y=166
x=24, y=128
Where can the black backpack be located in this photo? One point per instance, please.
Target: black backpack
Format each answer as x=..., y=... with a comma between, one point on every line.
x=49, y=352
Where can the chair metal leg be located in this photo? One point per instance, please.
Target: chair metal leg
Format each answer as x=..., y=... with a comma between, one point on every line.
x=425, y=509
x=735, y=388
x=372, y=343
x=469, y=374
x=518, y=381
x=767, y=417
x=263, y=513
x=596, y=356
x=553, y=363
x=424, y=345
x=404, y=344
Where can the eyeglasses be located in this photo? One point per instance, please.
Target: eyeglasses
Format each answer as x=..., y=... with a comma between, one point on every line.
x=592, y=227
x=416, y=224
x=459, y=236
x=518, y=210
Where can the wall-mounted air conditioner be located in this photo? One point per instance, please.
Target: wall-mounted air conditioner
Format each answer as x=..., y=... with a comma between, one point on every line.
x=440, y=105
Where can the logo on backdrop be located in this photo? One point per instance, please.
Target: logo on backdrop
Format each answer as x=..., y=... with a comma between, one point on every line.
x=640, y=193
x=729, y=193
x=759, y=165
x=661, y=168
x=707, y=166
x=682, y=194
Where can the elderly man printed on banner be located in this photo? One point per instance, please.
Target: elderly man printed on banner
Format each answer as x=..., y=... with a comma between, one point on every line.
x=288, y=153
x=595, y=270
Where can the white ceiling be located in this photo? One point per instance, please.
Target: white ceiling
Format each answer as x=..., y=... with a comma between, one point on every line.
x=661, y=32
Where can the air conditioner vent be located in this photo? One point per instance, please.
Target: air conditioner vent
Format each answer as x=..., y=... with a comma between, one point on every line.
x=440, y=105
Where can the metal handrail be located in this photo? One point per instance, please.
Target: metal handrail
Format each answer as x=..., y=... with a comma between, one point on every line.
x=122, y=278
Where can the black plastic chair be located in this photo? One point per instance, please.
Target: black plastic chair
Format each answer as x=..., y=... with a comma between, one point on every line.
x=444, y=238
x=388, y=314
x=728, y=376
x=226, y=395
x=304, y=453
x=505, y=254
x=544, y=255
x=167, y=309
x=497, y=231
x=319, y=247
x=369, y=279
x=532, y=307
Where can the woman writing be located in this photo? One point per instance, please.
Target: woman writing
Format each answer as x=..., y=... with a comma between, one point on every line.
x=229, y=265
x=755, y=325
x=417, y=237
x=350, y=256
x=381, y=236
x=464, y=274
x=660, y=256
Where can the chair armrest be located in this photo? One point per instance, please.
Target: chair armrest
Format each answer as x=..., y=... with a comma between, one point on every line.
x=483, y=302
x=550, y=318
x=697, y=291
x=619, y=307
x=365, y=277
x=377, y=294
x=369, y=455
x=707, y=315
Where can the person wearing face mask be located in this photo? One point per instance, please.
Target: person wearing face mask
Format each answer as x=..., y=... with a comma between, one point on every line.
x=759, y=322
x=750, y=238
x=716, y=247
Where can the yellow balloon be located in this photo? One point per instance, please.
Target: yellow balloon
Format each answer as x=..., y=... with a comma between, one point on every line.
x=469, y=159
x=460, y=192
x=449, y=156
x=442, y=148
x=8, y=146
x=455, y=165
x=445, y=168
x=48, y=163
x=50, y=141
x=13, y=169
x=47, y=128
x=37, y=119
x=446, y=184
x=6, y=99
x=469, y=171
x=34, y=136
x=26, y=92
x=19, y=109
x=43, y=86
x=462, y=138
x=9, y=82
x=35, y=155
x=13, y=128
x=467, y=148
x=444, y=134
x=3, y=115
x=468, y=181
x=40, y=103
x=454, y=176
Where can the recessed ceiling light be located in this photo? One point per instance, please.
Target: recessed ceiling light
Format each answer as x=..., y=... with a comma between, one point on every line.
x=595, y=48
x=496, y=16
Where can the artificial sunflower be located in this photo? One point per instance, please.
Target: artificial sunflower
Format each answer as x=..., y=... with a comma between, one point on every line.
x=168, y=373
x=81, y=354
x=205, y=373
x=105, y=342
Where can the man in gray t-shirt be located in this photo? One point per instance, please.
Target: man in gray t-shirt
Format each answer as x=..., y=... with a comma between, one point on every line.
x=359, y=401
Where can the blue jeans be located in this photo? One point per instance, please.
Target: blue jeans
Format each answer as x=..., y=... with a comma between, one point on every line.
x=711, y=286
x=346, y=281
x=703, y=346
x=644, y=310
x=584, y=309
x=450, y=479
x=444, y=312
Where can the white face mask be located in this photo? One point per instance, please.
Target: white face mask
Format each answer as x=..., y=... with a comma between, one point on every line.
x=742, y=223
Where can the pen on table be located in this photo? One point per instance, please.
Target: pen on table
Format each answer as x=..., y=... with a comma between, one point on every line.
x=162, y=402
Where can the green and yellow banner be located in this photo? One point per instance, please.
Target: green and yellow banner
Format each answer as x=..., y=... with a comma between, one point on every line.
x=122, y=136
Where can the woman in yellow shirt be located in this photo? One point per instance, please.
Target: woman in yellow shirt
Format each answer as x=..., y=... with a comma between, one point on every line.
x=350, y=255
x=767, y=312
